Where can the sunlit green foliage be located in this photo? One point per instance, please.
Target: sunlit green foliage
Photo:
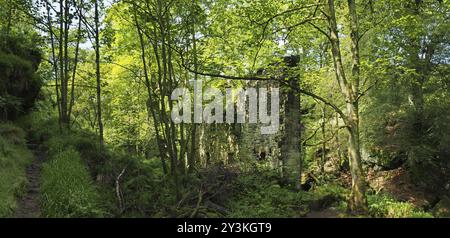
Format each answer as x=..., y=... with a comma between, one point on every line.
x=150, y=167
x=382, y=205
x=67, y=190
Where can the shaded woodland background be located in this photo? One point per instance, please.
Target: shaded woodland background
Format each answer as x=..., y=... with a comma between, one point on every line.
x=84, y=105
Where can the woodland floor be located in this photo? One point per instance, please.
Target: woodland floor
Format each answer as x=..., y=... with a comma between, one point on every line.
x=398, y=183
x=28, y=205
x=326, y=213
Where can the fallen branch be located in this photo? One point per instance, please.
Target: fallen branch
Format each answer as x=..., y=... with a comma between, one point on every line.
x=118, y=191
x=200, y=199
x=216, y=207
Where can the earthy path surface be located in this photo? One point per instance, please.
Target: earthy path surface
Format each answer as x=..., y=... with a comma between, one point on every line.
x=28, y=206
x=326, y=213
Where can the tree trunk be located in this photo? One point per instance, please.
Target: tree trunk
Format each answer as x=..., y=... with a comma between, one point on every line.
x=338, y=143
x=63, y=105
x=358, y=200
x=324, y=141
x=54, y=62
x=192, y=156
x=290, y=150
x=150, y=110
x=64, y=83
x=97, y=73
x=75, y=64
x=350, y=90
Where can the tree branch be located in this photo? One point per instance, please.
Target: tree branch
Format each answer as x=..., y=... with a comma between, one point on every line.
x=257, y=78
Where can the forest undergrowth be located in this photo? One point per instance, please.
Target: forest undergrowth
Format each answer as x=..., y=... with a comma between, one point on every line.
x=74, y=184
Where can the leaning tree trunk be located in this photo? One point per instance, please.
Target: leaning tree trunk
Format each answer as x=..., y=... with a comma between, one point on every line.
x=150, y=102
x=54, y=61
x=350, y=90
x=75, y=63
